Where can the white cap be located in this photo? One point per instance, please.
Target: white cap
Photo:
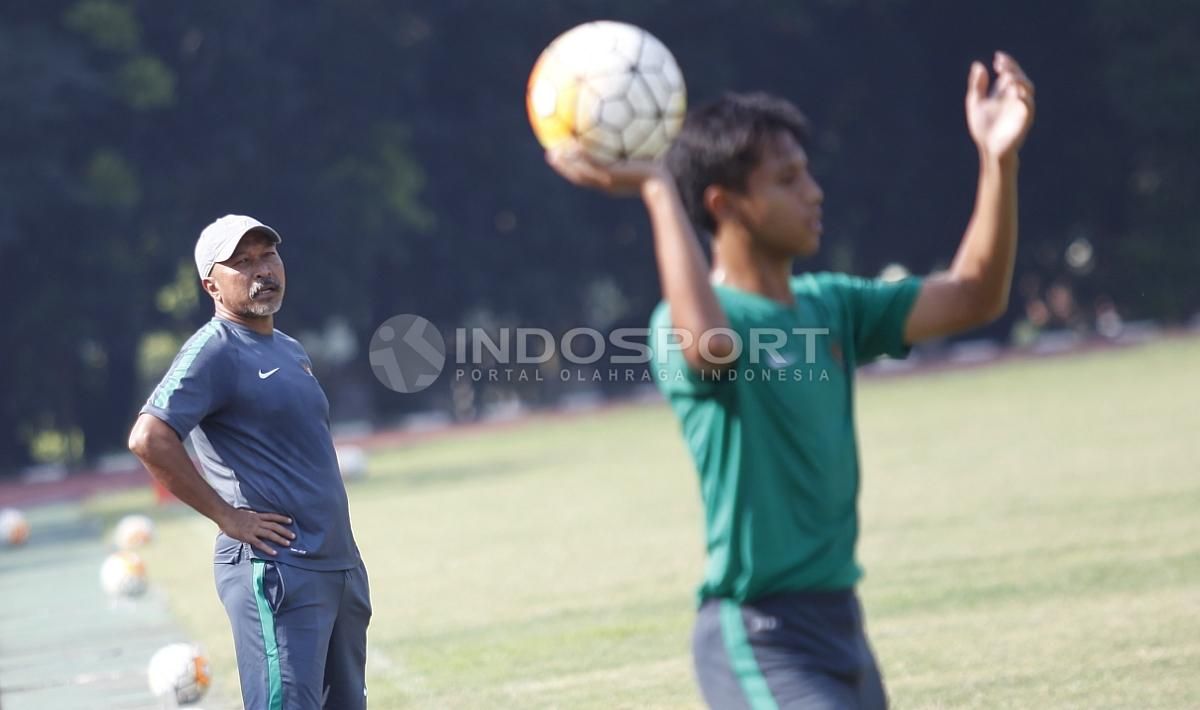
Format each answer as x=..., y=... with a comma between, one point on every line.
x=220, y=239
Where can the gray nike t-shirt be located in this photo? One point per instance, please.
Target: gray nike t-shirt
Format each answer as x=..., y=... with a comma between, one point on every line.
x=259, y=423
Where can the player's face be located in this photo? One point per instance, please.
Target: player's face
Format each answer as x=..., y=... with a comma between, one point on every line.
x=781, y=204
x=251, y=282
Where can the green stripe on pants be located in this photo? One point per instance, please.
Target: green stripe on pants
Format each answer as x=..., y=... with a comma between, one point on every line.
x=741, y=657
x=267, y=618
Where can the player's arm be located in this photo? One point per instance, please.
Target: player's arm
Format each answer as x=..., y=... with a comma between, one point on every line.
x=682, y=268
x=975, y=289
x=158, y=447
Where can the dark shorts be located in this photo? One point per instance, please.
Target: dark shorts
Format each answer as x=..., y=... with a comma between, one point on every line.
x=793, y=651
x=300, y=635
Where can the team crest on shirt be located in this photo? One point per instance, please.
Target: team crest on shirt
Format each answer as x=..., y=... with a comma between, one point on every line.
x=835, y=352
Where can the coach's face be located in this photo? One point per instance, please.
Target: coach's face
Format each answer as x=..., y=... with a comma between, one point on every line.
x=251, y=282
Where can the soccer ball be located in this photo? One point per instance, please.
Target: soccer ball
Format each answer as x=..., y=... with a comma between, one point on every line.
x=14, y=528
x=352, y=461
x=179, y=671
x=612, y=86
x=133, y=531
x=123, y=574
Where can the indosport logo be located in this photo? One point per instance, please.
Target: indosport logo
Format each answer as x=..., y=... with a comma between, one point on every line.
x=408, y=354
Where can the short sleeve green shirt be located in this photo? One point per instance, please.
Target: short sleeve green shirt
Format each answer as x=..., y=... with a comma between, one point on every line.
x=773, y=436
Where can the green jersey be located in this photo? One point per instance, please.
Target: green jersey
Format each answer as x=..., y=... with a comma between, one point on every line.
x=772, y=437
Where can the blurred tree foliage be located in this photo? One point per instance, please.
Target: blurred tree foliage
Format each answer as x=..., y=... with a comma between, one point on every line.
x=388, y=143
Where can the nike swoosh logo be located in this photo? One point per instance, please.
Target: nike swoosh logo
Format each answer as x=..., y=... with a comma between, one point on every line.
x=264, y=375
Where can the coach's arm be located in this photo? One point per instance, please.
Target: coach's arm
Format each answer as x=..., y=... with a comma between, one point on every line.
x=158, y=447
x=975, y=289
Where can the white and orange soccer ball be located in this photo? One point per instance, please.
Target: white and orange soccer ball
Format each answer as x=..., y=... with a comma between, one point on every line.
x=14, y=527
x=179, y=672
x=123, y=574
x=133, y=531
x=613, y=87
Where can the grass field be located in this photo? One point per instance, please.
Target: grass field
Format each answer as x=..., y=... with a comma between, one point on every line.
x=1030, y=531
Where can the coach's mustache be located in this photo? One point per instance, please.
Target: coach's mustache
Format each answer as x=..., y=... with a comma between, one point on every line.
x=261, y=285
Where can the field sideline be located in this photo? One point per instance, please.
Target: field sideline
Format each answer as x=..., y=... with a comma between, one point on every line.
x=1029, y=531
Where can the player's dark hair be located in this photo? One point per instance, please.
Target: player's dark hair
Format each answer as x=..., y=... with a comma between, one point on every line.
x=722, y=142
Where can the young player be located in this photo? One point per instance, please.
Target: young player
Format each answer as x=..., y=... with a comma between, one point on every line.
x=758, y=366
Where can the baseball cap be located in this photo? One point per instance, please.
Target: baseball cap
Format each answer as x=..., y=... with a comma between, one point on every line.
x=219, y=240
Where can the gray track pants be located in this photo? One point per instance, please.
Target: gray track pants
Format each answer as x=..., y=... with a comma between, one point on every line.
x=300, y=635
x=802, y=651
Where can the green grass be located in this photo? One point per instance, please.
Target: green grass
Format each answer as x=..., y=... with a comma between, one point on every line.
x=1030, y=533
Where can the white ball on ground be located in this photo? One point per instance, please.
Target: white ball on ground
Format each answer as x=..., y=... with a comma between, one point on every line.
x=353, y=462
x=123, y=574
x=179, y=671
x=14, y=527
x=133, y=531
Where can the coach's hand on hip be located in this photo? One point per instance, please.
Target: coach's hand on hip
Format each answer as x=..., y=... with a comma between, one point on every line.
x=258, y=528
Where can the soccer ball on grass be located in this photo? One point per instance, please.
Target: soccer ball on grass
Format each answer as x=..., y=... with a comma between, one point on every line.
x=123, y=574
x=133, y=531
x=179, y=671
x=14, y=528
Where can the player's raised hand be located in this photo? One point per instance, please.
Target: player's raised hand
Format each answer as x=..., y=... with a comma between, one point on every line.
x=623, y=178
x=999, y=119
